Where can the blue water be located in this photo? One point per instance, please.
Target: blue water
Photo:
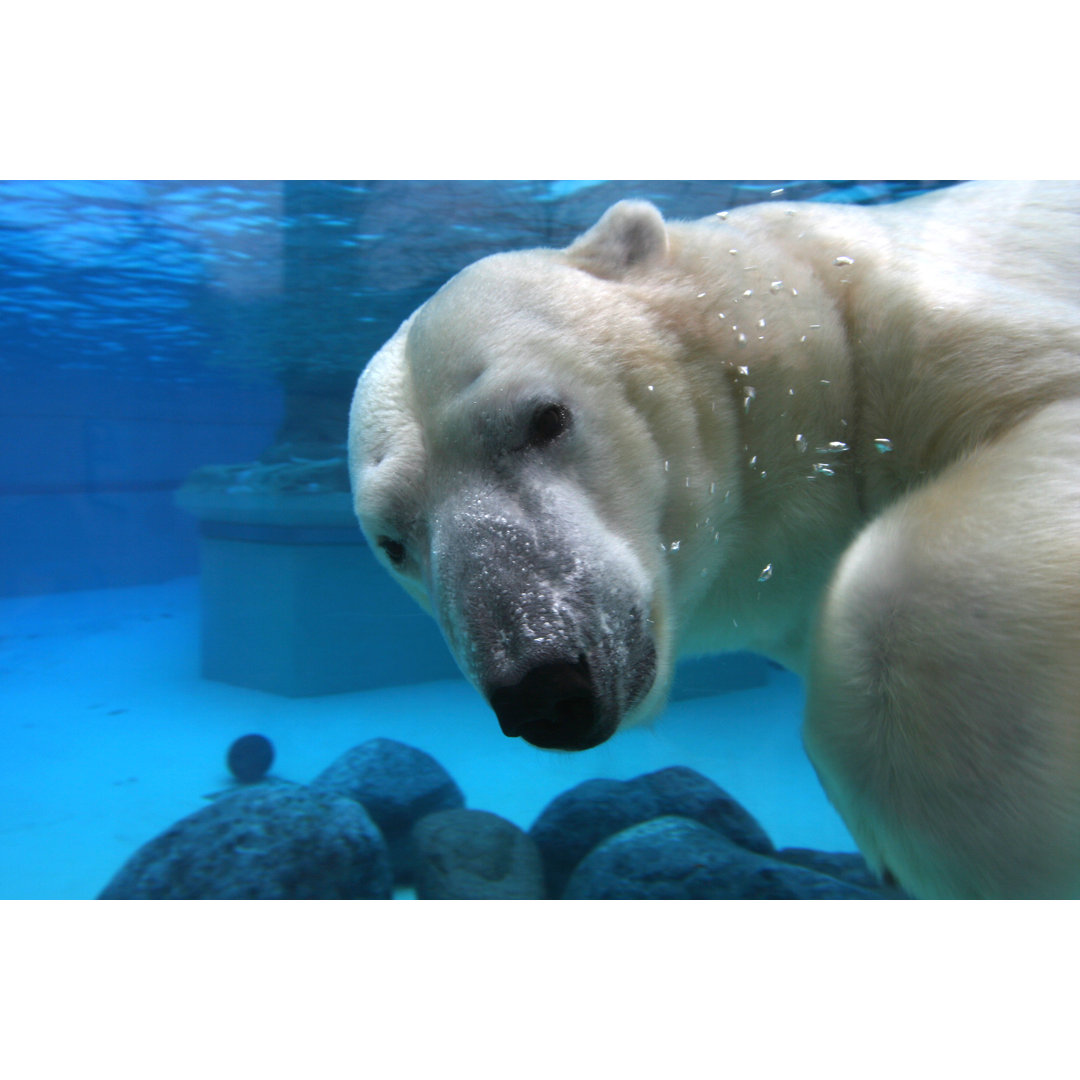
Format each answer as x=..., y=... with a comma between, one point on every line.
x=153, y=329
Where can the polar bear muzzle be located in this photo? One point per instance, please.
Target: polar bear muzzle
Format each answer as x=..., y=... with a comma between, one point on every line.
x=560, y=706
x=553, y=630
x=553, y=705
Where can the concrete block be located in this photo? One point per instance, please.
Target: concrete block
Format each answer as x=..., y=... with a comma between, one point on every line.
x=304, y=609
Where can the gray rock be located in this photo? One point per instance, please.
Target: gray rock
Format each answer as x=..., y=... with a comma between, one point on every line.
x=843, y=865
x=674, y=858
x=397, y=785
x=474, y=855
x=576, y=821
x=272, y=841
x=686, y=793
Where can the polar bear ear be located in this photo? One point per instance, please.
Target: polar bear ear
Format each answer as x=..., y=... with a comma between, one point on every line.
x=630, y=235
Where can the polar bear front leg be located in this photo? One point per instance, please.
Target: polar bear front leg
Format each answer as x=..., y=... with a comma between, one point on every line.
x=943, y=712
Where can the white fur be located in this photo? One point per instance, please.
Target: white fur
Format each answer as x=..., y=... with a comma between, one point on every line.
x=734, y=384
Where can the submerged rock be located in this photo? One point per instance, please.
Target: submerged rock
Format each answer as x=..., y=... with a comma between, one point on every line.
x=475, y=855
x=578, y=820
x=674, y=858
x=250, y=757
x=843, y=865
x=274, y=841
x=397, y=785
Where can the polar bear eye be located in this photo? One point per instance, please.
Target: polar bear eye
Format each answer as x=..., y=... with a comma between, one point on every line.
x=394, y=549
x=548, y=422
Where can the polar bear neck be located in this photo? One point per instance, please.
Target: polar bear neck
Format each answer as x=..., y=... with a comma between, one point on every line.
x=767, y=370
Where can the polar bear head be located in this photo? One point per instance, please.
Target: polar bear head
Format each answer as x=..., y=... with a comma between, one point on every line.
x=509, y=453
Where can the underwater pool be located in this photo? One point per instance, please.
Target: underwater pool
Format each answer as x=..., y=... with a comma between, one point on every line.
x=178, y=561
x=112, y=736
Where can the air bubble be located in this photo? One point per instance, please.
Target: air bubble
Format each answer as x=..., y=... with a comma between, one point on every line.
x=775, y=286
x=883, y=446
x=751, y=393
x=743, y=369
x=800, y=442
x=766, y=573
x=824, y=470
x=675, y=545
x=749, y=292
x=741, y=339
x=761, y=323
x=843, y=260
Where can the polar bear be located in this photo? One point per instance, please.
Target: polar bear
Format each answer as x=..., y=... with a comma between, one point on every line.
x=847, y=438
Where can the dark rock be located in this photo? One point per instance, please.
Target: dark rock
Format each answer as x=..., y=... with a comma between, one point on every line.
x=274, y=841
x=397, y=785
x=474, y=855
x=686, y=793
x=250, y=757
x=843, y=865
x=674, y=858
x=575, y=822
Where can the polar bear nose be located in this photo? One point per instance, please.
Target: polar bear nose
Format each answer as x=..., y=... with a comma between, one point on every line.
x=553, y=705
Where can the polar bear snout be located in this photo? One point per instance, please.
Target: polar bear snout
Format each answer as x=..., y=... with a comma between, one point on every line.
x=575, y=704
x=562, y=705
x=554, y=706
x=553, y=629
